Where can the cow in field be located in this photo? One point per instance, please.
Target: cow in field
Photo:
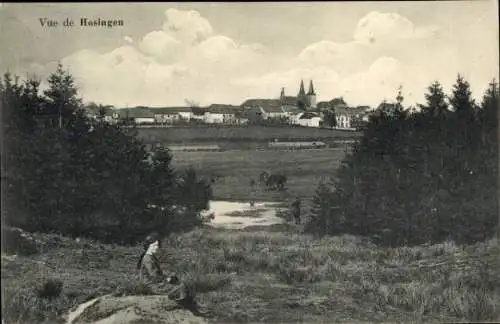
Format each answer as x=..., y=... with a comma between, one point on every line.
x=272, y=181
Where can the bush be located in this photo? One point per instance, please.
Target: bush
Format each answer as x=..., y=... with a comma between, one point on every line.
x=16, y=241
x=50, y=289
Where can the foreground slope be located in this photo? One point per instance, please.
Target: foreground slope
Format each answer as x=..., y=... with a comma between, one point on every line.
x=280, y=277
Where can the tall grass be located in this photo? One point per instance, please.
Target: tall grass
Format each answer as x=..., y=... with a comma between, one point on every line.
x=276, y=276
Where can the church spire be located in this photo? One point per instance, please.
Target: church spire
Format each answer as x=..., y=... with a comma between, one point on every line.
x=282, y=95
x=302, y=92
x=311, y=89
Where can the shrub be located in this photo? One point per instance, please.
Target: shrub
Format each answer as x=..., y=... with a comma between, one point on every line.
x=50, y=289
x=16, y=241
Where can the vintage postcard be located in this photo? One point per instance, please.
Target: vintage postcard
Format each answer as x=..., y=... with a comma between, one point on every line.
x=265, y=162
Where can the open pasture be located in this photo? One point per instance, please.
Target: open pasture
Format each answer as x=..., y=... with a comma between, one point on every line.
x=212, y=133
x=234, y=171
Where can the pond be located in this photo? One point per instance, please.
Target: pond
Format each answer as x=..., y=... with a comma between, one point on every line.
x=238, y=215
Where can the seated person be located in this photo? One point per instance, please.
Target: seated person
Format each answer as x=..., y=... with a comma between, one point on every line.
x=150, y=272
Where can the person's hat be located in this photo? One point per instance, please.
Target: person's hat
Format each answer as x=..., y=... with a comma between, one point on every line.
x=150, y=239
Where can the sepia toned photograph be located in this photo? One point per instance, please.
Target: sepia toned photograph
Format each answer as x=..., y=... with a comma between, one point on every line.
x=261, y=162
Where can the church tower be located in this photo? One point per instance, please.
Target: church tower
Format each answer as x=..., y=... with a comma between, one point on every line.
x=302, y=92
x=311, y=96
x=301, y=97
x=282, y=95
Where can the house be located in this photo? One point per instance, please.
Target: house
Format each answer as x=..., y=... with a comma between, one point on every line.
x=389, y=108
x=250, y=115
x=264, y=108
x=291, y=112
x=307, y=119
x=198, y=114
x=221, y=114
x=111, y=115
x=347, y=117
x=325, y=105
x=171, y=115
x=242, y=117
x=140, y=115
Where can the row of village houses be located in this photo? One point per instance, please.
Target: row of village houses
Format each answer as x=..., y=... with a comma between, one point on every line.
x=251, y=111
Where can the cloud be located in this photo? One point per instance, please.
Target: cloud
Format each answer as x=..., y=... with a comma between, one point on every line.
x=186, y=26
x=381, y=82
x=187, y=59
x=184, y=60
x=160, y=45
x=383, y=27
x=345, y=58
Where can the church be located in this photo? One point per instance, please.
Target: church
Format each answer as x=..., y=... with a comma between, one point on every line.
x=303, y=100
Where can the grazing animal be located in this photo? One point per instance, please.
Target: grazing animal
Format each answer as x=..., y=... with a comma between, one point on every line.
x=263, y=177
x=276, y=181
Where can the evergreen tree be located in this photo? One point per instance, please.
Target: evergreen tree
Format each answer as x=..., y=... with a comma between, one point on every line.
x=464, y=120
x=489, y=112
x=83, y=178
x=436, y=105
x=417, y=178
x=324, y=215
x=62, y=101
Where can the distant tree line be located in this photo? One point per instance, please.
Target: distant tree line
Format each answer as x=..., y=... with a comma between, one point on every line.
x=64, y=172
x=418, y=177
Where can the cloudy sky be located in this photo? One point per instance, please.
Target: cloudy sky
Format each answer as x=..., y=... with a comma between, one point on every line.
x=167, y=53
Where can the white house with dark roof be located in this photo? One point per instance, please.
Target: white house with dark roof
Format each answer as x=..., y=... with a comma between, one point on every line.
x=307, y=119
x=199, y=113
x=171, y=115
x=347, y=117
x=265, y=108
x=221, y=114
x=141, y=115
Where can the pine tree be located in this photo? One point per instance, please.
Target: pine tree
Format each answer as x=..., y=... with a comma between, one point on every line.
x=325, y=215
x=436, y=105
x=489, y=107
x=62, y=101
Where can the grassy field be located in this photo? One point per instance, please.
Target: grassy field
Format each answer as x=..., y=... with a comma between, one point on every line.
x=212, y=133
x=235, y=169
x=280, y=277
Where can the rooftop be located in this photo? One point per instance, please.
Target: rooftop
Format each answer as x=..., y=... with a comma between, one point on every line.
x=269, y=105
x=223, y=109
x=170, y=110
x=137, y=112
x=289, y=101
x=308, y=115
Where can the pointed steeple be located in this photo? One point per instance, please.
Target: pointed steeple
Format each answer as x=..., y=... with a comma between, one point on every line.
x=302, y=92
x=311, y=89
x=282, y=95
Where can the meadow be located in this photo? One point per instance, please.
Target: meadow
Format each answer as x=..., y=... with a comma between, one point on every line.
x=249, y=133
x=280, y=276
x=235, y=169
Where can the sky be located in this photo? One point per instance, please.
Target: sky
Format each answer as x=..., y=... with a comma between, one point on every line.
x=172, y=54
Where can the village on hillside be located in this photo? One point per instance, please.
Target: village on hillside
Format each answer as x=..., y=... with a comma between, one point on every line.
x=301, y=110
